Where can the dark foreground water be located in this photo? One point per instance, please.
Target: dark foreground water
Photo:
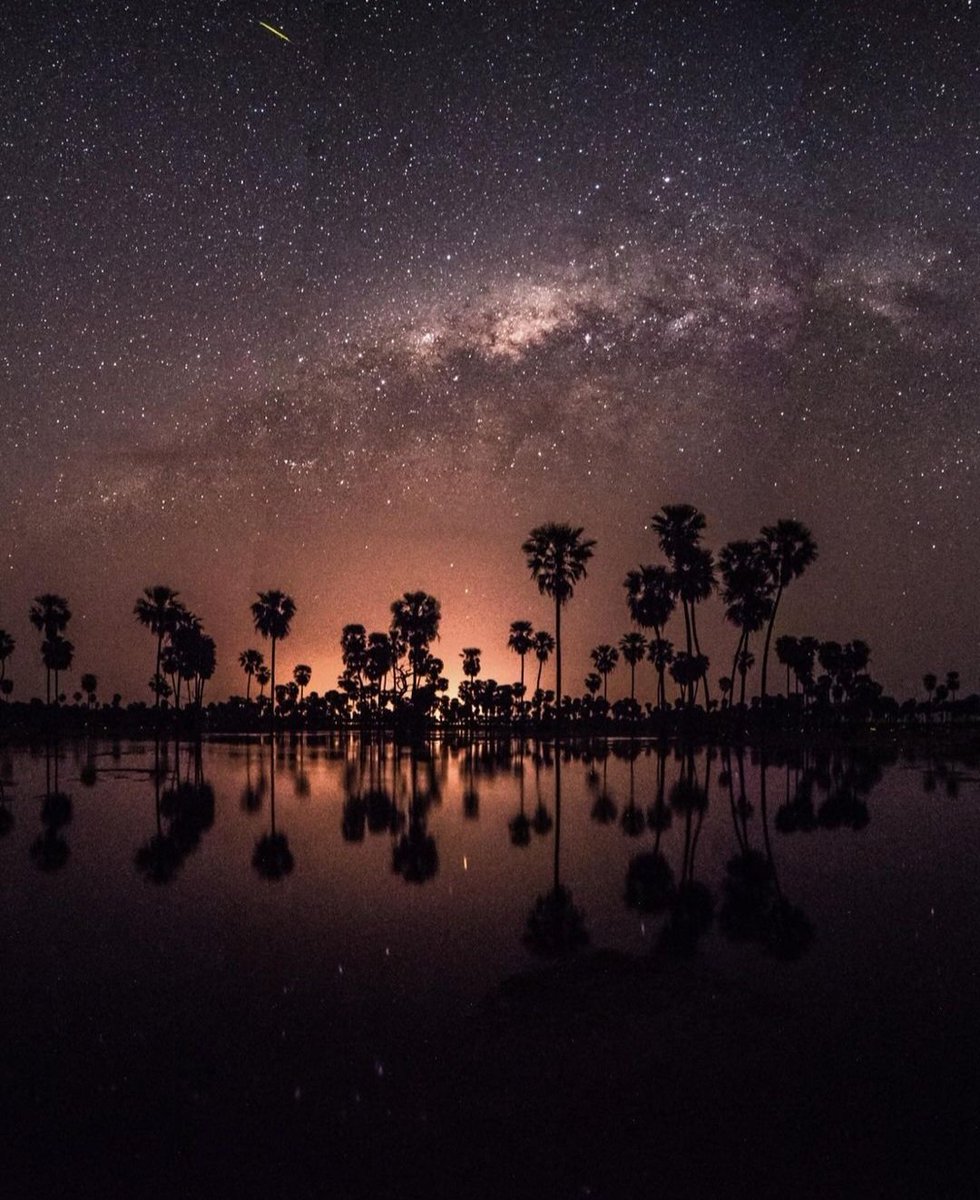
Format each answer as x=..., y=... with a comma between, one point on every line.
x=341, y=971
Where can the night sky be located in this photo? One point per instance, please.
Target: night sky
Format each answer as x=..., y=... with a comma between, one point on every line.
x=347, y=315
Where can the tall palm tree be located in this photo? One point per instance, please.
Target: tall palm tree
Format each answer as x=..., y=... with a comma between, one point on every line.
x=634, y=649
x=544, y=647
x=262, y=677
x=650, y=600
x=605, y=658
x=7, y=647
x=158, y=609
x=747, y=593
x=788, y=548
x=661, y=654
x=272, y=613
x=679, y=528
x=557, y=555
x=250, y=661
x=49, y=615
x=521, y=641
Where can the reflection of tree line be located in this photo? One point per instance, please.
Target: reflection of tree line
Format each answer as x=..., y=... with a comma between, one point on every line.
x=390, y=791
x=183, y=805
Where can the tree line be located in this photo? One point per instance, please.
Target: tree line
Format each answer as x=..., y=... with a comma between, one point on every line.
x=394, y=672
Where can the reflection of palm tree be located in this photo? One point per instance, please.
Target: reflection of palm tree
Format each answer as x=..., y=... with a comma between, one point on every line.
x=554, y=925
x=519, y=826
x=649, y=877
x=50, y=850
x=158, y=859
x=557, y=555
x=272, y=857
x=272, y=613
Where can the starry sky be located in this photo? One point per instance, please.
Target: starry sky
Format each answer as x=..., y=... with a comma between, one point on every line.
x=349, y=314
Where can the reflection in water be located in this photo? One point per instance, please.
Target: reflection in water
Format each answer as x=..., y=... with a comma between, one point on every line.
x=184, y=811
x=272, y=857
x=754, y=907
x=50, y=850
x=554, y=925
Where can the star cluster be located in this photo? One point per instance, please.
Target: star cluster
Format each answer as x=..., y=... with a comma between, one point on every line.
x=350, y=313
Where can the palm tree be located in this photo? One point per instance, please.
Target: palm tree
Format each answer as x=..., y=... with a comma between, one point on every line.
x=471, y=661
x=544, y=647
x=746, y=592
x=789, y=548
x=49, y=615
x=661, y=654
x=415, y=622
x=7, y=647
x=650, y=600
x=89, y=684
x=787, y=652
x=679, y=528
x=262, y=677
x=272, y=614
x=593, y=681
x=556, y=557
x=953, y=683
x=521, y=641
x=57, y=654
x=250, y=661
x=302, y=674
x=605, y=658
x=634, y=648
x=158, y=609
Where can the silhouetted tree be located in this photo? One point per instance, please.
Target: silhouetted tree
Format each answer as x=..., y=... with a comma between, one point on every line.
x=605, y=658
x=7, y=647
x=272, y=613
x=544, y=646
x=746, y=592
x=415, y=621
x=789, y=548
x=679, y=528
x=634, y=649
x=650, y=600
x=302, y=674
x=250, y=661
x=49, y=615
x=521, y=641
x=557, y=555
x=158, y=609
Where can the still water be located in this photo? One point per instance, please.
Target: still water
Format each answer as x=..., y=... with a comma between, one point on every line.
x=216, y=958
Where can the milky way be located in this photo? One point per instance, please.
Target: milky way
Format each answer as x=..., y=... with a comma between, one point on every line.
x=349, y=314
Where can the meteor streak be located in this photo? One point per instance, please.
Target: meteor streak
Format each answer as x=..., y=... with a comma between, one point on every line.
x=272, y=29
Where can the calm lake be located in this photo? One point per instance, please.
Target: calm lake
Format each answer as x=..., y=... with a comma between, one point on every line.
x=334, y=969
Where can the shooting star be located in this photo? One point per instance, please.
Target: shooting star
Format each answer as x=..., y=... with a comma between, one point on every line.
x=272, y=29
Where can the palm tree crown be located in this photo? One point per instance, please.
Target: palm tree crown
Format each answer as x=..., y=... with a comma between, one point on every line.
x=556, y=557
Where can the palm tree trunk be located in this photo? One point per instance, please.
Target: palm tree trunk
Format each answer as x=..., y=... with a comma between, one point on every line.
x=738, y=646
x=156, y=674
x=272, y=693
x=745, y=651
x=697, y=647
x=765, y=652
x=558, y=658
